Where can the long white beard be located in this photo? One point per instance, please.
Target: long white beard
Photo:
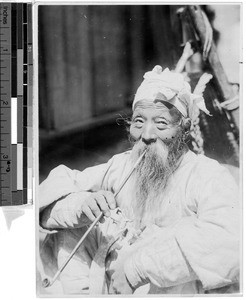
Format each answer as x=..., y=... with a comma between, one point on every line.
x=152, y=176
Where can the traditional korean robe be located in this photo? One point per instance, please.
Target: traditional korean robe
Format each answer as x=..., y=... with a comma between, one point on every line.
x=195, y=236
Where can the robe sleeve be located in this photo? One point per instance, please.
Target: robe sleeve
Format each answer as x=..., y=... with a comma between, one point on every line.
x=203, y=247
x=63, y=192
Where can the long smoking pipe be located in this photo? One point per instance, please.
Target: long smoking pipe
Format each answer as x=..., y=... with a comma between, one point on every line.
x=49, y=282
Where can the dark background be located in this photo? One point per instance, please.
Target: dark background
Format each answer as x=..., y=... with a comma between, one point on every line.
x=91, y=62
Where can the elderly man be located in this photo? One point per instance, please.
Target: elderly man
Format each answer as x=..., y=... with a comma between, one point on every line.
x=181, y=208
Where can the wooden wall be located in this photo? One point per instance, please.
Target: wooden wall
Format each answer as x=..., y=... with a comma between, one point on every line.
x=92, y=59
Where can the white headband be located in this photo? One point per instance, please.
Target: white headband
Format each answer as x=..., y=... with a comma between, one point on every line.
x=172, y=88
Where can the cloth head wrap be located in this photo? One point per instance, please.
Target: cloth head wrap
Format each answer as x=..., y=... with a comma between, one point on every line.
x=170, y=87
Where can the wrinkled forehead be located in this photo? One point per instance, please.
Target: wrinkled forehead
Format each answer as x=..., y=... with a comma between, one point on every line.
x=157, y=108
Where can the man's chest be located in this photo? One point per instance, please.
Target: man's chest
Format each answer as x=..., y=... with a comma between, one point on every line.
x=177, y=202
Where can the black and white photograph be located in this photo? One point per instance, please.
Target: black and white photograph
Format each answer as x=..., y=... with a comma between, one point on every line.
x=140, y=173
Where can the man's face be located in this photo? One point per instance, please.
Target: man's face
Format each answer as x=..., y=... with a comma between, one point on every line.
x=154, y=121
x=157, y=129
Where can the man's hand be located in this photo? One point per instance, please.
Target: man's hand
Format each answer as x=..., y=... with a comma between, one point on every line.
x=76, y=211
x=98, y=202
x=118, y=281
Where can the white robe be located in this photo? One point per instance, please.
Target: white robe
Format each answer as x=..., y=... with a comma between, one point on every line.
x=195, y=241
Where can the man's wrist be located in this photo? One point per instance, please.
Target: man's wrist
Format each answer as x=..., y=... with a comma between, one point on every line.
x=132, y=274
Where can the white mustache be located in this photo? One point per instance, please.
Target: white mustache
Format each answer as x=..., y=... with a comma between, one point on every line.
x=157, y=148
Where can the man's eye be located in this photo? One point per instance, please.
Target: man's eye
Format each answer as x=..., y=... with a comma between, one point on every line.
x=162, y=124
x=138, y=122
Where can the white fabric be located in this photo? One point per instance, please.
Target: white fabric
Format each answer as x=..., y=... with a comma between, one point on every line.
x=194, y=243
x=169, y=87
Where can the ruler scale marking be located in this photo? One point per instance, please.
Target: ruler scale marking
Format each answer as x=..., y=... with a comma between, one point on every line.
x=25, y=89
x=15, y=58
x=19, y=25
x=14, y=167
x=20, y=61
x=13, y=128
x=5, y=104
x=29, y=104
x=20, y=168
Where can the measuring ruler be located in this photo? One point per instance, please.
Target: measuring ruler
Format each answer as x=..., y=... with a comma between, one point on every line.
x=16, y=65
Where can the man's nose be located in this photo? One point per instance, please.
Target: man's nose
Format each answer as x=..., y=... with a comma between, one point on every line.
x=148, y=135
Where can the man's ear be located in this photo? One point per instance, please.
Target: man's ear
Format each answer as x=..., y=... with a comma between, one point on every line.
x=187, y=124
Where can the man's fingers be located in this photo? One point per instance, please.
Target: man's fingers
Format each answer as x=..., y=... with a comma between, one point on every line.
x=109, y=198
x=87, y=211
x=97, y=203
x=101, y=201
x=94, y=207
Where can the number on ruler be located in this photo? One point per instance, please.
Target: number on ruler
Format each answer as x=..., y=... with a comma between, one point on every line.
x=8, y=167
x=4, y=102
